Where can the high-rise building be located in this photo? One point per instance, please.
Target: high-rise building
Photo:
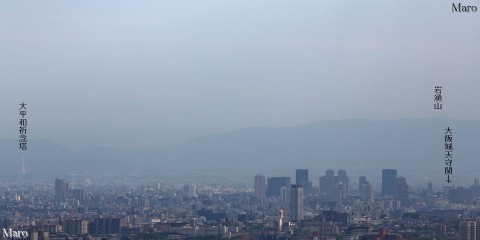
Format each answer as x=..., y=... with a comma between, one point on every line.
x=302, y=179
x=340, y=193
x=61, y=189
x=75, y=227
x=301, y=176
x=330, y=183
x=389, y=178
x=322, y=184
x=296, y=202
x=330, y=175
x=285, y=197
x=361, y=180
x=467, y=230
x=78, y=194
x=382, y=232
x=260, y=186
x=342, y=178
x=366, y=192
x=189, y=190
x=108, y=225
x=275, y=184
x=401, y=191
x=430, y=187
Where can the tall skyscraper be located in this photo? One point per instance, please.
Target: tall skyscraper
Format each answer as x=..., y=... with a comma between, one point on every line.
x=78, y=194
x=401, y=191
x=322, y=184
x=296, y=202
x=301, y=176
x=60, y=192
x=330, y=174
x=361, y=180
x=389, y=179
x=340, y=192
x=260, y=186
x=330, y=183
x=467, y=230
x=342, y=178
x=366, y=192
x=190, y=190
x=275, y=184
x=302, y=179
x=285, y=197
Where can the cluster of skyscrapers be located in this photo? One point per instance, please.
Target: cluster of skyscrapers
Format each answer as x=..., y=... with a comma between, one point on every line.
x=63, y=192
x=395, y=187
x=280, y=207
x=291, y=195
x=335, y=189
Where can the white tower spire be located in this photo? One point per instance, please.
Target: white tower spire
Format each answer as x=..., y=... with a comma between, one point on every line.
x=280, y=220
x=24, y=169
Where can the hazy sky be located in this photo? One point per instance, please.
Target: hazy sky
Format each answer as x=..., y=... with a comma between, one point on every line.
x=234, y=64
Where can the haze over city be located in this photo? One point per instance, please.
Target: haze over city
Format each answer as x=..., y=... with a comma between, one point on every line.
x=167, y=72
x=318, y=120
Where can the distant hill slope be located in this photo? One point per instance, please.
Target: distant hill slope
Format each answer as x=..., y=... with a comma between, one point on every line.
x=330, y=144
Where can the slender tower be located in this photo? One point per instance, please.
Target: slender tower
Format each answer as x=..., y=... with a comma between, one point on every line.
x=280, y=220
x=24, y=169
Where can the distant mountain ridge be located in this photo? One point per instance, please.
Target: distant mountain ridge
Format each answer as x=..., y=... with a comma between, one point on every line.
x=329, y=144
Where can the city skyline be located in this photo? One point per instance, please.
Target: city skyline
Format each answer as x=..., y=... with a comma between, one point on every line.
x=239, y=120
x=124, y=208
x=364, y=145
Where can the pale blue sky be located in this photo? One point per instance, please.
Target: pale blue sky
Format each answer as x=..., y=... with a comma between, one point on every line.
x=234, y=64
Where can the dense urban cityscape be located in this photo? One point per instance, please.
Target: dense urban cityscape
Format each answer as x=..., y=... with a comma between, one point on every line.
x=239, y=120
x=331, y=207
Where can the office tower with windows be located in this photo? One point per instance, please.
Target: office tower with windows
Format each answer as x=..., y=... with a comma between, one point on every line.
x=342, y=178
x=401, y=191
x=389, y=179
x=61, y=189
x=296, y=202
x=366, y=192
x=467, y=230
x=275, y=184
x=361, y=180
x=301, y=176
x=260, y=186
x=330, y=183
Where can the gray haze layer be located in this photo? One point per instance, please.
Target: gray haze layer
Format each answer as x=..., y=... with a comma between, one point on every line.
x=187, y=68
x=415, y=147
